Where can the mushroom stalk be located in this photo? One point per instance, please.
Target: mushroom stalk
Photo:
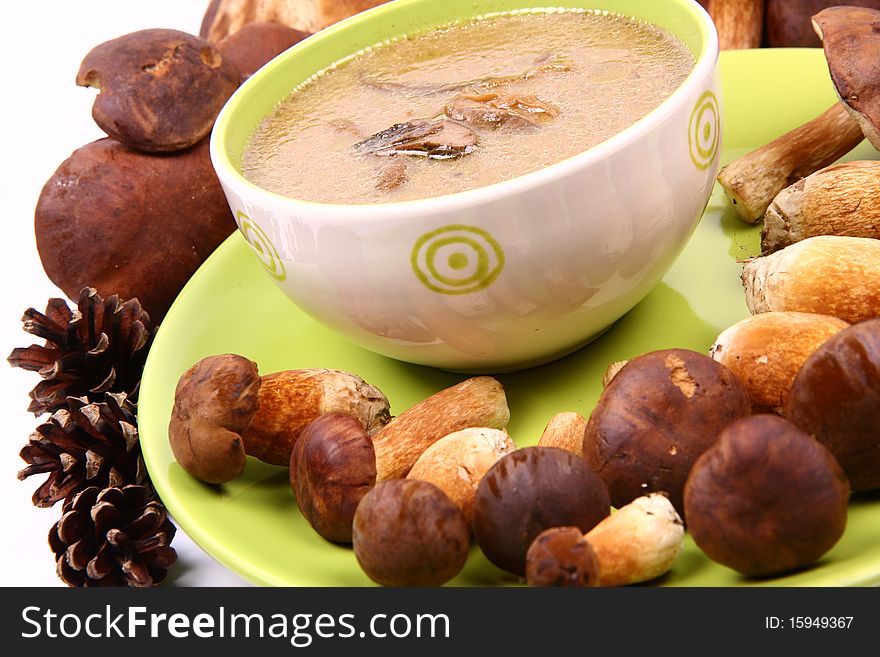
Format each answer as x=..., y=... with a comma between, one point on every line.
x=740, y=23
x=752, y=181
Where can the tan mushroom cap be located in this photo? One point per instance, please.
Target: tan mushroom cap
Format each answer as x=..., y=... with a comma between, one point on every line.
x=851, y=40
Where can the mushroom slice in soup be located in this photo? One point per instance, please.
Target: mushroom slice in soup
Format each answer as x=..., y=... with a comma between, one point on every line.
x=438, y=140
x=493, y=110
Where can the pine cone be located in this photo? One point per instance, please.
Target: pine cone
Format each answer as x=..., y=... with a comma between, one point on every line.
x=113, y=537
x=100, y=347
x=85, y=445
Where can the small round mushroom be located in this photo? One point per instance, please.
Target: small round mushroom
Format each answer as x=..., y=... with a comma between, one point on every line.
x=409, y=533
x=214, y=403
x=565, y=431
x=561, y=556
x=836, y=399
x=661, y=411
x=766, y=499
x=159, y=90
x=528, y=491
x=257, y=43
x=332, y=467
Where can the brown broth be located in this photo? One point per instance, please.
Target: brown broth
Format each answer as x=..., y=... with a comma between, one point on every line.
x=601, y=71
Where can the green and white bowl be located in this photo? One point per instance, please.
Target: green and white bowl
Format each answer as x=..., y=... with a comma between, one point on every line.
x=501, y=277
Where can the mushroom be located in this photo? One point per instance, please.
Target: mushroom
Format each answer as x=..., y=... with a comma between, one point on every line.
x=159, y=90
x=409, y=533
x=565, y=431
x=661, y=411
x=335, y=462
x=851, y=44
x=438, y=140
x=766, y=498
x=561, y=556
x=832, y=275
x=256, y=43
x=740, y=23
x=225, y=17
x=224, y=410
x=457, y=462
x=842, y=199
x=528, y=491
x=788, y=23
x=493, y=110
x=836, y=399
x=637, y=543
x=130, y=223
x=765, y=352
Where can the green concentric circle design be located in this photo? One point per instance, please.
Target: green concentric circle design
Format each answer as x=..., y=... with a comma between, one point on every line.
x=261, y=245
x=704, y=131
x=457, y=259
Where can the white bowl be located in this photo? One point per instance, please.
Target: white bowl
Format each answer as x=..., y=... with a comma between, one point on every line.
x=553, y=257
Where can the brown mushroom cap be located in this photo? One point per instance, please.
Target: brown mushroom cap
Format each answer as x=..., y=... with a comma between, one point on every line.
x=836, y=399
x=214, y=402
x=659, y=413
x=251, y=47
x=332, y=467
x=130, y=223
x=766, y=498
x=409, y=533
x=160, y=90
x=528, y=491
x=561, y=556
x=851, y=40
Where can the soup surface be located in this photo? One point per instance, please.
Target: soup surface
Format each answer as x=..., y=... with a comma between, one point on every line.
x=464, y=106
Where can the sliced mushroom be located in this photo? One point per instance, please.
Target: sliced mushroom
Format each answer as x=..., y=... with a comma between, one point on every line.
x=851, y=40
x=493, y=110
x=439, y=140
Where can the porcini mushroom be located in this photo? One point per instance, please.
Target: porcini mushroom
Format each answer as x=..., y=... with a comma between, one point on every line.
x=851, y=43
x=740, y=23
x=528, y=491
x=660, y=412
x=334, y=463
x=766, y=498
x=409, y=533
x=787, y=23
x=223, y=410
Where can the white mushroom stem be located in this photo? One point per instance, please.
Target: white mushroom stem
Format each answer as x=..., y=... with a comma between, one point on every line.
x=740, y=23
x=752, y=181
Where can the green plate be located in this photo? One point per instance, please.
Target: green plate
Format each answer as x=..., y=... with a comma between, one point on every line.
x=252, y=525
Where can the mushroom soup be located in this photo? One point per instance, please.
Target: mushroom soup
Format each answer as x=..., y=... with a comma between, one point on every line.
x=464, y=106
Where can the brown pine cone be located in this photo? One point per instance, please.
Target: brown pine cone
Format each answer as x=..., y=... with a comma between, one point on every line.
x=99, y=347
x=85, y=445
x=113, y=537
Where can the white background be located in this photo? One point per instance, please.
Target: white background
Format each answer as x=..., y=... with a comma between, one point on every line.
x=44, y=117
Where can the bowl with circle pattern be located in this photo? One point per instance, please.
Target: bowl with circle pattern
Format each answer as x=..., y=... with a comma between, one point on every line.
x=501, y=277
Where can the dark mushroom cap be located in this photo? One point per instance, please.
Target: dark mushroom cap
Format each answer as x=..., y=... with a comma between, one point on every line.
x=409, y=533
x=528, y=491
x=160, y=90
x=255, y=44
x=130, y=223
x=561, y=556
x=836, y=399
x=766, y=499
x=659, y=413
x=851, y=40
x=214, y=402
x=332, y=467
